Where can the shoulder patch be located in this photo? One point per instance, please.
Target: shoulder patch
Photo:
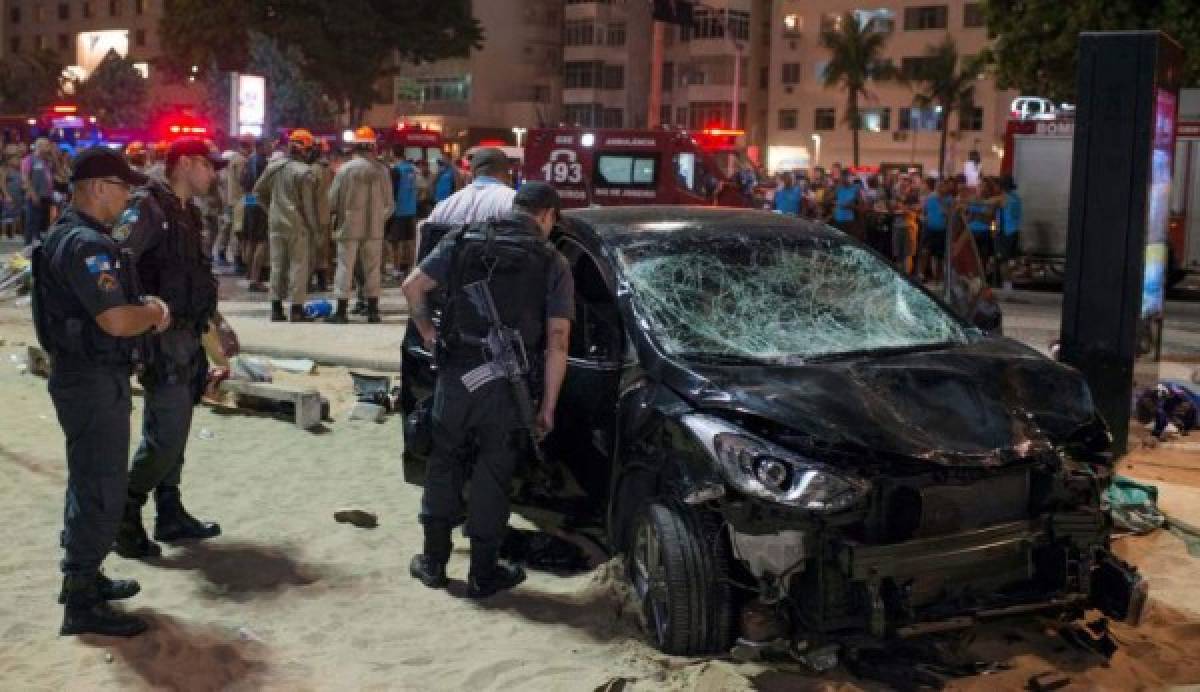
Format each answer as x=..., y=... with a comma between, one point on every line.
x=124, y=225
x=106, y=282
x=98, y=264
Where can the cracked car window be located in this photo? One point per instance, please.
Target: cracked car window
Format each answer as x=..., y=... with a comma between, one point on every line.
x=776, y=295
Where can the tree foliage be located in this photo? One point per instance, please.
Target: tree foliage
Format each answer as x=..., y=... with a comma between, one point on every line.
x=115, y=92
x=29, y=81
x=856, y=58
x=344, y=46
x=1036, y=42
x=948, y=82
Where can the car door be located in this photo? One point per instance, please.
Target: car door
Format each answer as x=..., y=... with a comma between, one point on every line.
x=584, y=428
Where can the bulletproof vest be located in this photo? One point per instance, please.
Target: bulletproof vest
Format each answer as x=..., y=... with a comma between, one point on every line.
x=516, y=264
x=64, y=328
x=178, y=270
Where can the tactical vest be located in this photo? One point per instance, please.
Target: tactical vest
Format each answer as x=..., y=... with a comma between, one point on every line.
x=64, y=329
x=518, y=264
x=179, y=270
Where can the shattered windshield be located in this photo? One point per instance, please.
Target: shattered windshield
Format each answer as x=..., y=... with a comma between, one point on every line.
x=776, y=295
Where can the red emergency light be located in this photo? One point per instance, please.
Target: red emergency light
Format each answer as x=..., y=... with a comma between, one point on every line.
x=187, y=130
x=721, y=132
x=492, y=143
x=65, y=109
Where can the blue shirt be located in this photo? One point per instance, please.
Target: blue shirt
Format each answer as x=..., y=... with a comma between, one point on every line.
x=846, y=198
x=978, y=212
x=443, y=185
x=1011, y=213
x=405, y=187
x=787, y=200
x=935, y=213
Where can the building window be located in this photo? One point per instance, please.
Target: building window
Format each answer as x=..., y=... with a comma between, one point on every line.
x=791, y=73
x=917, y=68
x=920, y=119
x=971, y=119
x=14, y=15
x=668, y=80
x=613, y=117
x=710, y=23
x=14, y=44
x=64, y=11
x=614, y=76
x=819, y=69
x=664, y=115
x=793, y=24
x=703, y=114
x=139, y=7
x=86, y=8
x=114, y=8
x=434, y=89
x=875, y=119
x=824, y=119
x=764, y=77
x=39, y=14
x=581, y=74
x=973, y=15
x=789, y=119
x=582, y=114
x=739, y=25
x=616, y=34
x=40, y=43
x=64, y=43
x=626, y=169
x=926, y=17
x=579, y=32
x=681, y=116
x=139, y=37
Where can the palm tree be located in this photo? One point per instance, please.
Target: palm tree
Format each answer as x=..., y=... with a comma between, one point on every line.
x=948, y=86
x=855, y=58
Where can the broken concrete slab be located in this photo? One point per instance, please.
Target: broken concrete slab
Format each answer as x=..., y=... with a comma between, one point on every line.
x=306, y=402
x=38, y=360
x=367, y=411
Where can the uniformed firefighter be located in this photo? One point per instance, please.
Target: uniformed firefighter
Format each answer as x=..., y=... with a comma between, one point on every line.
x=86, y=310
x=288, y=190
x=162, y=229
x=361, y=201
x=531, y=287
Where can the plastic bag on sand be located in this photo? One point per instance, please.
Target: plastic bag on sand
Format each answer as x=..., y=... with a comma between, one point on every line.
x=1134, y=505
x=250, y=369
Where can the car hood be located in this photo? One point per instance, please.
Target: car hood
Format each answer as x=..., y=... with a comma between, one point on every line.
x=983, y=404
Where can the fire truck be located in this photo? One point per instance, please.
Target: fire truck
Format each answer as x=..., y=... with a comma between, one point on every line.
x=627, y=167
x=416, y=141
x=1037, y=153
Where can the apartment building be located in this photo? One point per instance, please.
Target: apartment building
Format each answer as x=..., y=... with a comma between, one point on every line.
x=82, y=32
x=805, y=121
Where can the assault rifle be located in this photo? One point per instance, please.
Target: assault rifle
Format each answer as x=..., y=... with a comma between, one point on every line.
x=505, y=351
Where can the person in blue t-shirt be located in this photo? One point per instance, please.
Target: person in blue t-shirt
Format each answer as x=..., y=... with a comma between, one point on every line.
x=979, y=212
x=1008, y=241
x=402, y=227
x=787, y=195
x=444, y=180
x=935, y=216
x=847, y=201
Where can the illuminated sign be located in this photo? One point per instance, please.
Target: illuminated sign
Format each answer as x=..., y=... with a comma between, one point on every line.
x=251, y=103
x=91, y=47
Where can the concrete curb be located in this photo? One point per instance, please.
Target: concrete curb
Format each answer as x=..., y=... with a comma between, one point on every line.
x=331, y=359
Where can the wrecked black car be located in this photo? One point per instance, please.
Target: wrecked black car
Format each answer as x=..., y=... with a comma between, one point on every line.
x=792, y=444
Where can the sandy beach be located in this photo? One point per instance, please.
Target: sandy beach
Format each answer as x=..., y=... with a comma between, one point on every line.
x=288, y=599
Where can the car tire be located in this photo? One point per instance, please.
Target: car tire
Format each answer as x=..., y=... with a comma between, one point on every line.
x=677, y=564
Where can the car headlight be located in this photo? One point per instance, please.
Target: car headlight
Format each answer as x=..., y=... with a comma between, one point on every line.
x=765, y=470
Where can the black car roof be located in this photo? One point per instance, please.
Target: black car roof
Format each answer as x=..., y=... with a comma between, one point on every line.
x=608, y=222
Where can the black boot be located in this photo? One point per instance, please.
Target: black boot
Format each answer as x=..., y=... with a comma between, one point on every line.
x=297, y=314
x=429, y=567
x=173, y=523
x=109, y=589
x=339, y=315
x=277, y=311
x=132, y=541
x=360, y=308
x=488, y=575
x=373, y=311
x=87, y=612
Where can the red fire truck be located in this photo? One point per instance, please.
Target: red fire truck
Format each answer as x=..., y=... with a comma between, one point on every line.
x=417, y=142
x=1037, y=153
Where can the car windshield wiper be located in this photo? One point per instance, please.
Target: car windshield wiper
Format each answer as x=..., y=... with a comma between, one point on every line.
x=724, y=358
x=882, y=351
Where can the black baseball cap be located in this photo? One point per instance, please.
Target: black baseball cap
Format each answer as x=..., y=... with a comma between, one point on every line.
x=102, y=162
x=535, y=195
x=190, y=146
x=488, y=156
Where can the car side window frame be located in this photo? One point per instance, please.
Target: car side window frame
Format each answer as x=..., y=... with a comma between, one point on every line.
x=575, y=251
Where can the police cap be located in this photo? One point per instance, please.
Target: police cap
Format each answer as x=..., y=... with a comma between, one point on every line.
x=535, y=195
x=102, y=162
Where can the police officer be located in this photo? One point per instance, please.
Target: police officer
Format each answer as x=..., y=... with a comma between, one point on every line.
x=162, y=229
x=532, y=288
x=85, y=310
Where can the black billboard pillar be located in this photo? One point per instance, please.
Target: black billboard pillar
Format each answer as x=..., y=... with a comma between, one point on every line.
x=1117, y=223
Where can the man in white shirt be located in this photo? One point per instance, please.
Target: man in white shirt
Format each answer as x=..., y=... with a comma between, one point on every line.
x=489, y=196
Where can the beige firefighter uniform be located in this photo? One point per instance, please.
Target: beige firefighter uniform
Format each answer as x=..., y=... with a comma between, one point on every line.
x=361, y=201
x=288, y=190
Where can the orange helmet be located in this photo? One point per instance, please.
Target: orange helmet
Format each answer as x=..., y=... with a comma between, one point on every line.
x=162, y=147
x=135, y=148
x=364, y=135
x=302, y=137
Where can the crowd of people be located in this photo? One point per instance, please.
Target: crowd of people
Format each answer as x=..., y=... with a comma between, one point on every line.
x=905, y=216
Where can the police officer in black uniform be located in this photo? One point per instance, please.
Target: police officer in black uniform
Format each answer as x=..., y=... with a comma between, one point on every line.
x=85, y=311
x=163, y=230
x=532, y=288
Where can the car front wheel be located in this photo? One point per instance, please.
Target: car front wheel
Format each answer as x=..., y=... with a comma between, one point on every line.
x=677, y=565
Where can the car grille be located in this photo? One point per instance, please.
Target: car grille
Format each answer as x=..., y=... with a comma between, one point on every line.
x=909, y=510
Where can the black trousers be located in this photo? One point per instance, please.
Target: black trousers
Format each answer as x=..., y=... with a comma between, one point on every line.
x=93, y=409
x=484, y=425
